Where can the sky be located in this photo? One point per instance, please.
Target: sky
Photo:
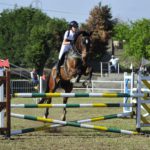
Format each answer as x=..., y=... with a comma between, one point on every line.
x=126, y=10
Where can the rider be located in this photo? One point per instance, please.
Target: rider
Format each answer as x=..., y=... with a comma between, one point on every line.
x=67, y=42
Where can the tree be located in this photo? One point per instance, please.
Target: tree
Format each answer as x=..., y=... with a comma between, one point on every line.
x=30, y=37
x=101, y=23
x=138, y=45
x=121, y=31
x=15, y=27
x=44, y=43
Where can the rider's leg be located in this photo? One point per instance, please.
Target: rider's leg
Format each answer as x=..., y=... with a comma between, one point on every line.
x=60, y=59
x=58, y=67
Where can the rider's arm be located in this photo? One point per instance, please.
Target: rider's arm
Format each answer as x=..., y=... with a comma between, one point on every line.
x=65, y=40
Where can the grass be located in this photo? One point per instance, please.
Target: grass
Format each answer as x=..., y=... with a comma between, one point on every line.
x=71, y=138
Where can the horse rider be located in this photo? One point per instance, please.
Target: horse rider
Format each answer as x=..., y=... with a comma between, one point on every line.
x=67, y=43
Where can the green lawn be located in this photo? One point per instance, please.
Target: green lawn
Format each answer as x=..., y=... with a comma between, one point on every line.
x=73, y=138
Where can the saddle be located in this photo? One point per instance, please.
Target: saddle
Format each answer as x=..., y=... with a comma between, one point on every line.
x=63, y=62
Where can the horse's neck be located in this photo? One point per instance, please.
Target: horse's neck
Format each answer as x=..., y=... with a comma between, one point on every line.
x=78, y=44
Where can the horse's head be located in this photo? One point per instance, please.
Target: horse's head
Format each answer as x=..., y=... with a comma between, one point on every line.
x=82, y=44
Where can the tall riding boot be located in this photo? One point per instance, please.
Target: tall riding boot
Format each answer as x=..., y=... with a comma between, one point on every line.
x=58, y=68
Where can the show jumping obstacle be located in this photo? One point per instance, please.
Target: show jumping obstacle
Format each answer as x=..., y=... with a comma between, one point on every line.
x=143, y=102
x=27, y=130
x=74, y=124
x=81, y=123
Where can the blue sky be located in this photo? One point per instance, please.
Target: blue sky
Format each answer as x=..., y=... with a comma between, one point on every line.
x=79, y=9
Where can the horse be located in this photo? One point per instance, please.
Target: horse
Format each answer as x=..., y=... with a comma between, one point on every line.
x=75, y=65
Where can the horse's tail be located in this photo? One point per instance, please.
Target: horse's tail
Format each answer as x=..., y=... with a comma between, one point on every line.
x=47, y=83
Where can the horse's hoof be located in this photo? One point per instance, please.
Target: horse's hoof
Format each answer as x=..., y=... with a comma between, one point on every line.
x=84, y=84
x=63, y=118
x=40, y=102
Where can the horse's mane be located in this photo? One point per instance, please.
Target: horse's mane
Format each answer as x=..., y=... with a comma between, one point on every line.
x=73, y=54
x=84, y=33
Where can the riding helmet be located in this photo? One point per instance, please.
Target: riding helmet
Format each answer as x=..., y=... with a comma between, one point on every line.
x=73, y=24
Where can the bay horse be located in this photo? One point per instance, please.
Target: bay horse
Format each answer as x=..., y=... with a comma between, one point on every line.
x=75, y=65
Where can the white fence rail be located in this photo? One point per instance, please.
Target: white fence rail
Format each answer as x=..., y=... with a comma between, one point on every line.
x=27, y=86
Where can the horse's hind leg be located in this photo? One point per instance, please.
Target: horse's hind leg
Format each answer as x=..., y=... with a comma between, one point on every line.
x=68, y=89
x=49, y=100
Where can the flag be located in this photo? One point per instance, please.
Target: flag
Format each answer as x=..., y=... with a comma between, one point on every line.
x=131, y=66
x=4, y=63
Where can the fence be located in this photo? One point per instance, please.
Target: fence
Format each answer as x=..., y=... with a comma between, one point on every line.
x=22, y=86
x=27, y=86
x=105, y=67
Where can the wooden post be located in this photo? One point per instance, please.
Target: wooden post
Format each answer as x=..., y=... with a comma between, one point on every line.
x=8, y=98
x=5, y=129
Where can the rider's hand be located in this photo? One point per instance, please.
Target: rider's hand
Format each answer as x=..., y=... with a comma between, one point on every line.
x=72, y=42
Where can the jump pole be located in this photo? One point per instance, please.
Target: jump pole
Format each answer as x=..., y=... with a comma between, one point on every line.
x=74, y=124
x=45, y=127
x=78, y=95
x=72, y=105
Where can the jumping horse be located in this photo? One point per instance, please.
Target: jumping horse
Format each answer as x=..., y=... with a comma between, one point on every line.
x=75, y=65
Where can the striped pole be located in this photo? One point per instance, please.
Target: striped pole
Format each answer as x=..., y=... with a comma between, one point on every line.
x=71, y=105
x=30, y=95
x=74, y=124
x=27, y=130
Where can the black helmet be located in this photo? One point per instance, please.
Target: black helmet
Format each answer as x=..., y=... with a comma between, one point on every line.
x=73, y=24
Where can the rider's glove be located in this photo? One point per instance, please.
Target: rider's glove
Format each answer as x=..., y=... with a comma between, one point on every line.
x=72, y=42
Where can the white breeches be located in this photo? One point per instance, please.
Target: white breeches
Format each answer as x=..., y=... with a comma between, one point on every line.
x=64, y=48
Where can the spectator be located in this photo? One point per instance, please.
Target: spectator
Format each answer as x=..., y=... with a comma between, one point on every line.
x=113, y=63
x=34, y=76
x=44, y=75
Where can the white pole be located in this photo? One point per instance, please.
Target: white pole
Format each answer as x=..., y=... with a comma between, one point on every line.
x=118, y=68
x=40, y=89
x=138, y=108
x=92, y=87
x=101, y=69
x=41, y=85
x=109, y=68
x=1, y=100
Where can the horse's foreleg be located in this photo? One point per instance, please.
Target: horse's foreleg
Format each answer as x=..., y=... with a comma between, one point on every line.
x=41, y=101
x=78, y=78
x=89, y=72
